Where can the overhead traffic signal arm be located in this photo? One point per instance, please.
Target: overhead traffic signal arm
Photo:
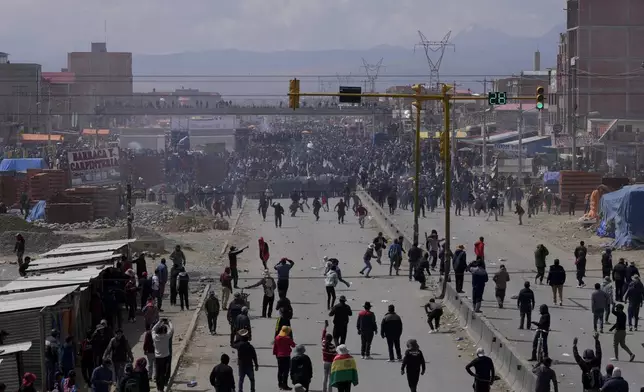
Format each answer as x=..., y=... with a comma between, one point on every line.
x=540, y=98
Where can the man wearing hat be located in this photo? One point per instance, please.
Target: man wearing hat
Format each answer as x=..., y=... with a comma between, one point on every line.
x=268, y=284
x=340, y=313
x=367, y=328
x=483, y=371
x=234, y=310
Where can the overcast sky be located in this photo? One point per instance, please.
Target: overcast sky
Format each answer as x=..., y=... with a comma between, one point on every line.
x=36, y=28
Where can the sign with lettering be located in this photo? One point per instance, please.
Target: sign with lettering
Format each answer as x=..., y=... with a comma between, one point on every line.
x=95, y=167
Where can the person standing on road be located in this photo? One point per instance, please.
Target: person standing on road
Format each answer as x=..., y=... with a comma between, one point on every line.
x=341, y=209
x=362, y=213
x=242, y=324
x=234, y=310
x=501, y=279
x=520, y=212
x=590, y=364
x=344, y=372
x=607, y=287
x=556, y=279
x=211, y=306
x=432, y=243
x=479, y=279
x=162, y=337
x=301, y=368
x=460, y=265
x=328, y=353
x=599, y=302
x=340, y=313
x=619, y=277
x=616, y=382
x=316, y=208
x=380, y=243
x=483, y=373
x=182, y=283
x=525, y=304
x=282, y=347
x=367, y=328
x=545, y=376
x=283, y=269
x=395, y=256
x=414, y=363
x=285, y=311
x=278, y=210
x=264, y=253
x=414, y=255
x=366, y=259
x=580, y=263
x=247, y=363
x=543, y=329
x=619, y=337
x=607, y=262
x=232, y=263
x=222, y=377
x=226, y=281
x=479, y=248
x=634, y=296
x=540, y=255
x=330, y=281
x=268, y=284
x=391, y=329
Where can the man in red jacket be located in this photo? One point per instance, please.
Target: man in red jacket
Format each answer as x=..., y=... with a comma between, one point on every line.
x=263, y=251
x=479, y=248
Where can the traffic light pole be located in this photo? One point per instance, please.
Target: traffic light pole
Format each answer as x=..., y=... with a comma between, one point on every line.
x=418, y=104
x=448, y=196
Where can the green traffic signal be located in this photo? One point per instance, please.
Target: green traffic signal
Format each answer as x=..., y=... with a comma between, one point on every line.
x=539, y=105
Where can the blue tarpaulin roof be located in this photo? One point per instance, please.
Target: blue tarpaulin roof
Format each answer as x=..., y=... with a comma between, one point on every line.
x=625, y=208
x=37, y=212
x=21, y=165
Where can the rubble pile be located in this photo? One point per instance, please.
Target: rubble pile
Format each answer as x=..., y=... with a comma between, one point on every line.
x=195, y=224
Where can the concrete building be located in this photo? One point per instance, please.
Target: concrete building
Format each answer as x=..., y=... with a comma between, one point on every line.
x=57, y=100
x=100, y=76
x=177, y=98
x=20, y=93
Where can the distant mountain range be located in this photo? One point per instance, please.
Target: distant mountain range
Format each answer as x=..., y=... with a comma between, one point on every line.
x=477, y=52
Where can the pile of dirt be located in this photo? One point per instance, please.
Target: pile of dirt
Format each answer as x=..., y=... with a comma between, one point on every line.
x=195, y=224
x=16, y=223
x=137, y=232
x=37, y=241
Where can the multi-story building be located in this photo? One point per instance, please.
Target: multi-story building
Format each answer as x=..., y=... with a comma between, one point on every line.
x=20, y=93
x=100, y=76
x=601, y=71
x=57, y=99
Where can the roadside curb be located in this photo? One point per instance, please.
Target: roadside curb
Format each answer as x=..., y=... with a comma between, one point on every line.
x=509, y=364
x=232, y=231
x=176, y=359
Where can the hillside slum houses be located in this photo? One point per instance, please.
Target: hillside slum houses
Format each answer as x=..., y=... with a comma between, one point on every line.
x=59, y=292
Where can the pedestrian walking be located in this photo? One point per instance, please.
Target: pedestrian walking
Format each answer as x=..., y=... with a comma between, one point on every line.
x=580, y=263
x=619, y=277
x=247, y=363
x=519, y=211
x=607, y=287
x=479, y=279
x=501, y=279
x=366, y=259
x=525, y=304
x=328, y=353
x=301, y=368
x=616, y=382
x=211, y=307
x=367, y=328
x=545, y=376
x=226, y=281
x=380, y=243
x=330, y=282
x=222, y=377
x=283, y=269
x=391, y=329
x=483, y=373
x=599, y=302
x=344, y=372
x=543, y=330
x=634, y=296
x=340, y=313
x=459, y=262
x=264, y=253
x=282, y=347
x=540, y=255
x=414, y=363
x=619, y=337
x=556, y=279
x=233, y=252
x=162, y=337
x=182, y=283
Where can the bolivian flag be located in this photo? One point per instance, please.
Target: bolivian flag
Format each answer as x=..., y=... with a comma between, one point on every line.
x=344, y=369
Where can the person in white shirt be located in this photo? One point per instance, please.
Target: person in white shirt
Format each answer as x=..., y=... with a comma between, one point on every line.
x=162, y=338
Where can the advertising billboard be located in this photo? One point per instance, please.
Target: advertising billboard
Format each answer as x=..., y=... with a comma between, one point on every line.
x=94, y=167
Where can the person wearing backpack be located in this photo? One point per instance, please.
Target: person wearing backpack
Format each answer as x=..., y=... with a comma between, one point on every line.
x=590, y=364
x=395, y=256
x=330, y=281
x=130, y=381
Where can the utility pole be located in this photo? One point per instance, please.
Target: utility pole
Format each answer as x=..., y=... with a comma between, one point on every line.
x=520, y=129
x=575, y=116
x=128, y=195
x=484, y=129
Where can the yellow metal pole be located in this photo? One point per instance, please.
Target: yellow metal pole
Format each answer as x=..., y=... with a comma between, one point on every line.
x=418, y=105
x=448, y=189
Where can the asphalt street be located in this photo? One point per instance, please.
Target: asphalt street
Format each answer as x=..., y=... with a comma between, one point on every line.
x=513, y=245
x=306, y=242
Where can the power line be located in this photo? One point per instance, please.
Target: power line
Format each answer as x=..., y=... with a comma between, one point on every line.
x=372, y=71
x=434, y=52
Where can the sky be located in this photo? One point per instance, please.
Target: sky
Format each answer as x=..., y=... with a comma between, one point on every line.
x=32, y=29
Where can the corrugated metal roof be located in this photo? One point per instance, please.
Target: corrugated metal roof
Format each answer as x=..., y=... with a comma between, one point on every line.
x=527, y=140
x=495, y=138
x=96, y=243
x=59, y=77
x=14, y=348
x=85, y=249
x=50, y=280
x=71, y=261
x=33, y=299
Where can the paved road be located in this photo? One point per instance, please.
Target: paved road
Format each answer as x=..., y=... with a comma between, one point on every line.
x=307, y=242
x=515, y=245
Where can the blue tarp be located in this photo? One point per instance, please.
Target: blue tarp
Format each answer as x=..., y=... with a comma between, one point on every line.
x=37, y=212
x=624, y=210
x=21, y=165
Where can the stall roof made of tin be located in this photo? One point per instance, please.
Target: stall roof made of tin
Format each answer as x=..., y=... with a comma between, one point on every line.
x=14, y=348
x=76, y=249
x=66, y=262
x=53, y=279
x=34, y=299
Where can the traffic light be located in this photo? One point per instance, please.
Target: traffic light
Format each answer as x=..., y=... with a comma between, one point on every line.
x=444, y=145
x=540, y=98
x=294, y=94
